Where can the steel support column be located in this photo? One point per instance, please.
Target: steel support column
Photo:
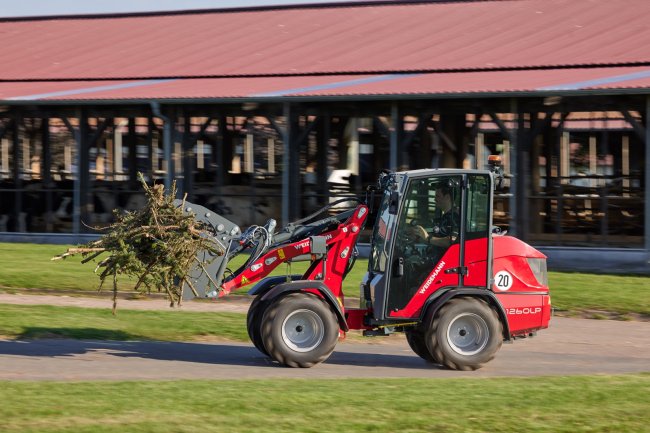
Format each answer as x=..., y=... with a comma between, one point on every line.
x=522, y=178
x=151, y=169
x=286, y=163
x=323, y=138
x=47, y=174
x=222, y=139
x=18, y=161
x=397, y=123
x=514, y=170
x=186, y=156
x=132, y=143
x=291, y=169
x=83, y=172
x=558, y=182
x=167, y=144
x=76, y=193
x=646, y=180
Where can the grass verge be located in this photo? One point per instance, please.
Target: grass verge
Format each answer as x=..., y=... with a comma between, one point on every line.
x=29, y=266
x=38, y=321
x=621, y=295
x=549, y=404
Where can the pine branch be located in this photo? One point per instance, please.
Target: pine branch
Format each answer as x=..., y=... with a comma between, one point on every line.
x=157, y=245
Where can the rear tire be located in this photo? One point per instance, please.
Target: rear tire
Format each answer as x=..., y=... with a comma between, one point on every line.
x=416, y=340
x=465, y=334
x=299, y=330
x=254, y=321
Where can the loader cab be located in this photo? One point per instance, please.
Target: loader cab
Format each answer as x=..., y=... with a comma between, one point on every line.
x=432, y=226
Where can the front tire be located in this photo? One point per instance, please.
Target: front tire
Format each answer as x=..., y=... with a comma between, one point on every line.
x=416, y=340
x=254, y=322
x=299, y=330
x=465, y=334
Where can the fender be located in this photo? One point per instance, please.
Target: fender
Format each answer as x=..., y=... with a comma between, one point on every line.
x=441, y=297
x=268, y=283
x=299, y=286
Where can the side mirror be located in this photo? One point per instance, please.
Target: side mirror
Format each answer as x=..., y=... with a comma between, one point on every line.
x=393, y=204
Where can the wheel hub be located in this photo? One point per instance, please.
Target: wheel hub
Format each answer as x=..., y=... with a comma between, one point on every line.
x=303, y=330
x=468, y=334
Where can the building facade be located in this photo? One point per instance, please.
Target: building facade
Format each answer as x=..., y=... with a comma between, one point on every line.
x=279, y=130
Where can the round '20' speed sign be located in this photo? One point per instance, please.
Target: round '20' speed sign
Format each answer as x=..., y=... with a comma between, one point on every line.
x=503, y=280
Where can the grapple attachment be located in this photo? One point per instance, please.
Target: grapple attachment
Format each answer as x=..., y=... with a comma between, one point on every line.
x=207, y=278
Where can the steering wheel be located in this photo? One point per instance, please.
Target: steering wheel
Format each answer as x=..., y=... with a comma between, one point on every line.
x=414, y=232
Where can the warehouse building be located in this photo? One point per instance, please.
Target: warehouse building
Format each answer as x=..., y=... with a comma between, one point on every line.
x=275, y=111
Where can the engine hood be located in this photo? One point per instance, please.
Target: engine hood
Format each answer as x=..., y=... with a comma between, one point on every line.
x=504, y=246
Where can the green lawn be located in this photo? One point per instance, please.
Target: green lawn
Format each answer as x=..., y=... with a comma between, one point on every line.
x=549, y=404
x=29, y=266
x=611, y=293
x=39, y=321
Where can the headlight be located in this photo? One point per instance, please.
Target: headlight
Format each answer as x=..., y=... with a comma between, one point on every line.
x=538, y=266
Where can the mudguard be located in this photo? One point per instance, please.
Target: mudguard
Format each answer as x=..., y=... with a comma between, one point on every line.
x=268, y=283
x=301, y=285
x=439, y=298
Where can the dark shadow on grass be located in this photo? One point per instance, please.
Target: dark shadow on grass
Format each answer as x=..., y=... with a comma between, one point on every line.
x=33, y=333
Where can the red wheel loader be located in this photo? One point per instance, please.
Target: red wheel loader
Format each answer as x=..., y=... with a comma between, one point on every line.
x=437, y=271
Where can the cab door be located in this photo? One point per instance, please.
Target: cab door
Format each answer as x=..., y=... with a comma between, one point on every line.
x=477, y=248
x=421, y=242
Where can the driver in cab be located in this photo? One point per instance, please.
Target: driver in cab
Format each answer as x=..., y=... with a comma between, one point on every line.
x=445, y=222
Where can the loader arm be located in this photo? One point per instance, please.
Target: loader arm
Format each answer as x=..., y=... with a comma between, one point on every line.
x=330, y=252
x=328, y=242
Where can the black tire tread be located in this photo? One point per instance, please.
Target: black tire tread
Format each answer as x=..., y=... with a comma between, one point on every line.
x=253, y=323
x=416, y=341
x=275, y=312
x=437, y=349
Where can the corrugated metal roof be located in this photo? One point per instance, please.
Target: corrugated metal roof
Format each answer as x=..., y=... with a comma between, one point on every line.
x=538, y=82
x=359, y=39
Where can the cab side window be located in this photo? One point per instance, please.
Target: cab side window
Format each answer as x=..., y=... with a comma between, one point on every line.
x=477, y=221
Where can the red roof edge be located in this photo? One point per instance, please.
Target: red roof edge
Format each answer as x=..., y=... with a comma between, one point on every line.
x=338, y=73
x=237, y=9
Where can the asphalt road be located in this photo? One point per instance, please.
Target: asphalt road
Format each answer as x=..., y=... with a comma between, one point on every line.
x=570, y=346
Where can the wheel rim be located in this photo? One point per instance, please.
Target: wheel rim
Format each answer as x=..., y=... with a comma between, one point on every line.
x=303, y=330
x=468, y=334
